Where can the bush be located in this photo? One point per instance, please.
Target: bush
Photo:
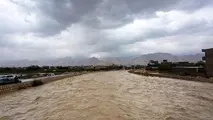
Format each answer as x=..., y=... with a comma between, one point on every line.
x=184, y=73
x=37, y=83
x=165, y=67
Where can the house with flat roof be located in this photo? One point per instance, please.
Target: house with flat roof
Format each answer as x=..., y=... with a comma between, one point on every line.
x=209, y=61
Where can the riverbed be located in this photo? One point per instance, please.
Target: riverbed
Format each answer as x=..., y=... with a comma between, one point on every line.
x=114, y=95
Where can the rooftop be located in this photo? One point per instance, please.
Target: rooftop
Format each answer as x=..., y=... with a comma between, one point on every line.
x=204, y=50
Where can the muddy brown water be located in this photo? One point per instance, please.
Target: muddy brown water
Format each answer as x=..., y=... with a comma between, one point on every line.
x=116, y=95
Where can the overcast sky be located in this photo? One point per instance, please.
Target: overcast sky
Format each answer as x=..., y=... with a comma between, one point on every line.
x=37, y=29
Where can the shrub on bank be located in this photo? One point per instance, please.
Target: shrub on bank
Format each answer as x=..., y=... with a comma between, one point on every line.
x=37, y=83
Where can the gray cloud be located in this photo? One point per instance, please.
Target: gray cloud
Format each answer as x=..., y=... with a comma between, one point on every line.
x=58, y=28
x=66, y=12
x=191, y=5
x=63, y=13
x=58, y=15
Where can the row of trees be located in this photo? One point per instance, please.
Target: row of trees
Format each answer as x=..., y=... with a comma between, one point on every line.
x=62, y=69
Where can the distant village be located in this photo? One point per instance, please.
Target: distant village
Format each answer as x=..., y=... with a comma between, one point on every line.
x=203, y=68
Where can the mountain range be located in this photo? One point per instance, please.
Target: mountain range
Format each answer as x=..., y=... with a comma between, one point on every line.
x=133, y=60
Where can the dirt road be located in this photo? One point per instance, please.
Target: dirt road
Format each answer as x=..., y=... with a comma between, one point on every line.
x=111, y=95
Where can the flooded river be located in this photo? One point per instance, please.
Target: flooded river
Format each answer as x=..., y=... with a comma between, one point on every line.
x=115, y=95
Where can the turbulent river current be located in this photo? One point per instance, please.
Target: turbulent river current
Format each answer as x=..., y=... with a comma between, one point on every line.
x=114, y=95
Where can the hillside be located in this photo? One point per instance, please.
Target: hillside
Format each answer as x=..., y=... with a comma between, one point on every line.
x=136, y=60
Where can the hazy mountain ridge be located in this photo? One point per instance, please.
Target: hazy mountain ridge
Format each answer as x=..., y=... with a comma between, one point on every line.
x=137, y=60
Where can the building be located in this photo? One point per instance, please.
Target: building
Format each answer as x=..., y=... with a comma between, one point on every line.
x=209, y=61
x=152, y=65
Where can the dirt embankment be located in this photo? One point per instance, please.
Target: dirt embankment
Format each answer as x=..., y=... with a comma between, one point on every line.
x=111, y=95
x=173, y=76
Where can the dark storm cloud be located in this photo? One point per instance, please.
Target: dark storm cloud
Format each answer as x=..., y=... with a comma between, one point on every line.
x=149, y=6
x=66, y=12
x=108, y=27
x=63, y=13
x=99, y=13
x=115, y=13
x=56, y=15
x=106, y=13
x=191, y=5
